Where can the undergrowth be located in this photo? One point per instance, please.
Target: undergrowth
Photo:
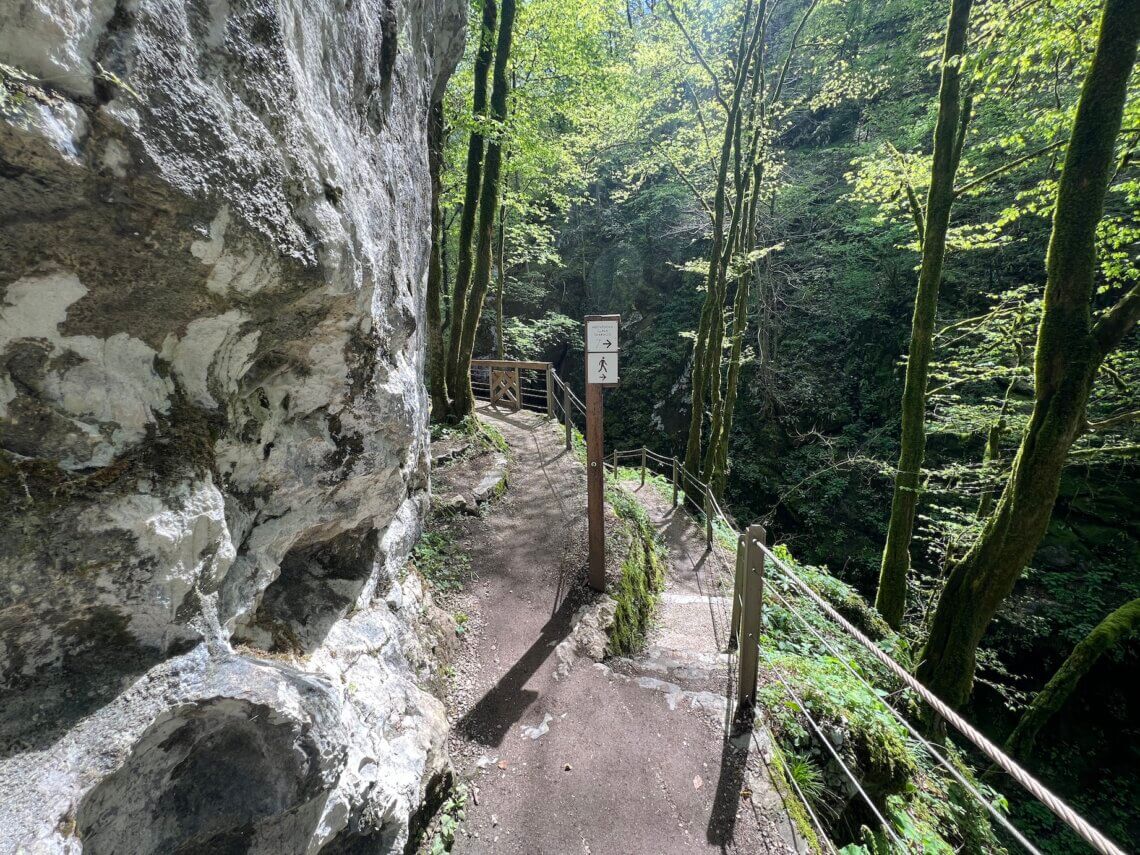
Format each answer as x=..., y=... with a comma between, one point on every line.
x=927, y=808
x=441, y=561
x=451, y=813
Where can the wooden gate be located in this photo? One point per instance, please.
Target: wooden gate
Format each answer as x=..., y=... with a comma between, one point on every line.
x=505, y=387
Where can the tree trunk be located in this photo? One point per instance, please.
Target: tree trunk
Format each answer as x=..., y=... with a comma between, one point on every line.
x=1107, y=634
x=470, y=197
x=1069, y=351
x=949, y=134
x=500, y=339
x=706, y=355
x=463, y=400
x=436, y=366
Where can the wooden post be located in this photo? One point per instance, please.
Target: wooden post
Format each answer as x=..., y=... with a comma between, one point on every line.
x=737, y=594
x=601, y=358
x=595, y=488
x=708, y=518
x=748, y=656
x=566, y=412
x=674, y=482
x=643, y=466
x=549, y=392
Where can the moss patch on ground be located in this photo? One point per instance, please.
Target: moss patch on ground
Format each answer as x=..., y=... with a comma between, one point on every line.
x=486, y=436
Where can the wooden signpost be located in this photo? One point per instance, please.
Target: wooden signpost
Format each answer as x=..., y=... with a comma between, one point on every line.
x=601, y=372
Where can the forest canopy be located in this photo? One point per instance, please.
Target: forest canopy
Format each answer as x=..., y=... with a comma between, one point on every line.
x=879, y=272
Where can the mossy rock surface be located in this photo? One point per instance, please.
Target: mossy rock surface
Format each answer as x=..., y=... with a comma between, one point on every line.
x=642, y=575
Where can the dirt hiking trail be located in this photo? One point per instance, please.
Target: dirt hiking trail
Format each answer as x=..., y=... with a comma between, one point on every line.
x=567, y=754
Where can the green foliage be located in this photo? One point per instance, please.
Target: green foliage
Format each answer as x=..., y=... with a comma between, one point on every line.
x=928, y=809
x=441, y=561
x=533, y=340
x=452, y=813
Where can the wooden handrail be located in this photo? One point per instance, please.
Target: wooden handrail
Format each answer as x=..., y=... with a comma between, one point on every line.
x=510, y=363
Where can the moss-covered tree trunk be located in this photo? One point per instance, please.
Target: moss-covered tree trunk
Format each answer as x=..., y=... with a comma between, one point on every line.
x=436, y=364
x=949, y=134
x=1114, y=629
x=463, y=400
x=472, y=185
x=1070, y=349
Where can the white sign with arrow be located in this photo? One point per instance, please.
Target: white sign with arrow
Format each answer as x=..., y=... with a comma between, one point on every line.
x=602, y=336
x=602, y=350
x=601, y=372
x=601, y=368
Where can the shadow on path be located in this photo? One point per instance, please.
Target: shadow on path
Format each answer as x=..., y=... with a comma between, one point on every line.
x=505, y=703
x=722, y=822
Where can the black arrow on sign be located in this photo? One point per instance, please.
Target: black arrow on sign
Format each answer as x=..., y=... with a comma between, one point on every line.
x=608, y=344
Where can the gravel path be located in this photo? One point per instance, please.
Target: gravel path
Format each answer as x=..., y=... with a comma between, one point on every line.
x=602, y=760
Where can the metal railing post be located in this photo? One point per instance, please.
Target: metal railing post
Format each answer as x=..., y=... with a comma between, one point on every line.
x=643, y=466
x=615, y=465
x=737, y=594
x=708, y=519
x=675, y=482
x=752, y=594
x=549, y=392
x=566, y=411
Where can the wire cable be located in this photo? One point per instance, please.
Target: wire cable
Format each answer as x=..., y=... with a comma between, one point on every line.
x=1035, y=788
x=994, y=812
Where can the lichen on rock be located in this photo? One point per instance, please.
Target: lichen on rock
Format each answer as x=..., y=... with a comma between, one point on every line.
x=213, y=427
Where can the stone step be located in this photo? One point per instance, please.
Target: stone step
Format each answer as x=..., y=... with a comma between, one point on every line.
x=688, y=670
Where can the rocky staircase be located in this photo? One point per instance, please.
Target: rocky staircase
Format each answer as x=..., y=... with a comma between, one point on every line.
x=686, y=655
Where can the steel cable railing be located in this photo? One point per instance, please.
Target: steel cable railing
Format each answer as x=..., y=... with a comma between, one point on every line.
x=930, y=749
x=1030, y=784
x=832, y=751
x=1034, y=787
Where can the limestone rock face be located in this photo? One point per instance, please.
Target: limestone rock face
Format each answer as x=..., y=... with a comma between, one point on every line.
x=214, y=233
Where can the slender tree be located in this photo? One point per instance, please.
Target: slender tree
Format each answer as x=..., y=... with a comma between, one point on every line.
x=707, y=352
x=472, y=185
x=949, y=136
x=1070, y=349
x=500, y=338
x=463, y=399
x=436, y=364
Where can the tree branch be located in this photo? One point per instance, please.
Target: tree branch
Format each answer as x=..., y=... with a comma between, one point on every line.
x=1116, y=323
x=916, y=211
x=685, y=178
x=791, y=52
x=1017, y=161
x=1127, y=450
x=697, y=53
x=1112, y=421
